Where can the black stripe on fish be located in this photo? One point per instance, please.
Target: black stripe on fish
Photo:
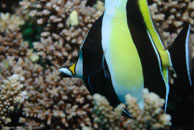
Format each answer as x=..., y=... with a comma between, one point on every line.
x=153, y=79
x=93, y=72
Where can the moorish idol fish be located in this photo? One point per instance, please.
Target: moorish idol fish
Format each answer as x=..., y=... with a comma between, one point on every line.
x=124, y=53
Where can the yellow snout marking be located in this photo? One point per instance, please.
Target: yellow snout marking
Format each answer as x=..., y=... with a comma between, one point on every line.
x=72, y=69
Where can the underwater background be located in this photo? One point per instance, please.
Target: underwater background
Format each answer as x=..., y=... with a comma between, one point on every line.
x=39, y=36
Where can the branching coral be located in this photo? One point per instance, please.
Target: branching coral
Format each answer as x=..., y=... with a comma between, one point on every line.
x=22, y=66
x=57, y=103
x=8, y=21
x=65, y=25
x=152, y=117
x=105, y=118
x=10, y=36
x=53, y=102
x=12, y=95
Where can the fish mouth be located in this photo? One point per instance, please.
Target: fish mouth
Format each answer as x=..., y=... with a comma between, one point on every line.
x=64, y=75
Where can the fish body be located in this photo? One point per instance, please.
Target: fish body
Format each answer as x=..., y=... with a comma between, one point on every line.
x=120, y=52
x=124, y=53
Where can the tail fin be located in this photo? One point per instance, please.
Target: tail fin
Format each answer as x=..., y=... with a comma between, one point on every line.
x=181, y=55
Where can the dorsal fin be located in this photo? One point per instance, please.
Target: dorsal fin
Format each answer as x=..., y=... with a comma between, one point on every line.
x=181, y=55
x=112, y=5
